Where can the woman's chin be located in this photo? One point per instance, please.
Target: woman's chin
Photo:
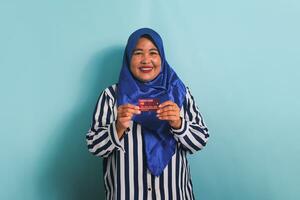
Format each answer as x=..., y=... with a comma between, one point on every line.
x=145, y=78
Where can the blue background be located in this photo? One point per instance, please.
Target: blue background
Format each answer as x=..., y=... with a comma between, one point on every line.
x=240, y=59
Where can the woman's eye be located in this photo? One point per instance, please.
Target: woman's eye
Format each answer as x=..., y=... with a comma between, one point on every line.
x=153, y=53
x=137, y=53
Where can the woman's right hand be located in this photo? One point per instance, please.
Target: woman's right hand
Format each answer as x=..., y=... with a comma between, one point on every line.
x=124, y=117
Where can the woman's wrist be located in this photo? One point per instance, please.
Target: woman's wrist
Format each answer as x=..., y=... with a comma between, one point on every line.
x=176, y=124
x=120, y=129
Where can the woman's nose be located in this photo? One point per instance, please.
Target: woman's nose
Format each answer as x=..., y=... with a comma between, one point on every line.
x=145, y=59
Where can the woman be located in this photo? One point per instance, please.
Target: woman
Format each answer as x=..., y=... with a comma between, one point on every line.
x=145, y=125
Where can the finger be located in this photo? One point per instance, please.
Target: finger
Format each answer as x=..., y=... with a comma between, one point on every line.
x=131, y=106
x=129, y=110
x=128, y=106
x=168, y=113
x=168, y=108
x=169, y=118
x=125, y=119
x=125, y=114
x=166, y=103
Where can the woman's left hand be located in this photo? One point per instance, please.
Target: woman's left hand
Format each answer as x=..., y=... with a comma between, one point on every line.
x=171, y=112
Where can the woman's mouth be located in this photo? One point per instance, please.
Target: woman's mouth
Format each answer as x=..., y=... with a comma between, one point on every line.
x=145, y=69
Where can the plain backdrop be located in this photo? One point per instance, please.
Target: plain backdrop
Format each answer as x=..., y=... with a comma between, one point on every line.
x=239, y=58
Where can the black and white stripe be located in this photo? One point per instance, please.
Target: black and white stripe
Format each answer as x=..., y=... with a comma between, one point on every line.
x=126, y=176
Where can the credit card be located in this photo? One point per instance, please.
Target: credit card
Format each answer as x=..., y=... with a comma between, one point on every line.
x=148, y=104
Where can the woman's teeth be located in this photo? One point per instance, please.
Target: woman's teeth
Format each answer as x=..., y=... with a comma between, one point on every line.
x=146, y=69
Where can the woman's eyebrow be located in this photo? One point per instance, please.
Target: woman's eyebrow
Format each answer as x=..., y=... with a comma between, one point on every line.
x=137, y=50
x=153, y=49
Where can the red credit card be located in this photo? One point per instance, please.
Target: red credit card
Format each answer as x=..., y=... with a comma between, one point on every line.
x=148, y=104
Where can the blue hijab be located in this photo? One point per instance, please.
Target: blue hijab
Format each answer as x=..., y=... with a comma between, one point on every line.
x=159, y=143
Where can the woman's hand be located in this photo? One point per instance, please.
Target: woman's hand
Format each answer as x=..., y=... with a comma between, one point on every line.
x=125, y=114
x=170, y=111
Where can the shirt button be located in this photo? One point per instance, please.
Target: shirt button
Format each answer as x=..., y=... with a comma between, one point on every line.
x=149, y=189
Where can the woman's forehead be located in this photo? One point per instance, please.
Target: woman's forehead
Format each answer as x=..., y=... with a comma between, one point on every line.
x=144, y=33
x=145, y=43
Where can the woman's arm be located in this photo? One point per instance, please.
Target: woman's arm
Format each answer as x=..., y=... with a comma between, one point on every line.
x=102, y=138
x=193, y=133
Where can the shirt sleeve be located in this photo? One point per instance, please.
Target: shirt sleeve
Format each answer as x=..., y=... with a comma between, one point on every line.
x=102, y=138
x=193, y=133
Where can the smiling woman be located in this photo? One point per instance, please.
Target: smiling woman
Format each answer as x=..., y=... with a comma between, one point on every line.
x=145, y=62
x=145, y=150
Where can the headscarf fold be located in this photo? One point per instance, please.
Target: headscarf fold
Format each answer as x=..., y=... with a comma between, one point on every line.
x=159, y=143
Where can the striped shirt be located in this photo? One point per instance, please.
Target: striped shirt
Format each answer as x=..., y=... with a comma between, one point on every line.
x=126, y=176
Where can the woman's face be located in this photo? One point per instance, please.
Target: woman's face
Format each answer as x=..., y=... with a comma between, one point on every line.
x=145, y=62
